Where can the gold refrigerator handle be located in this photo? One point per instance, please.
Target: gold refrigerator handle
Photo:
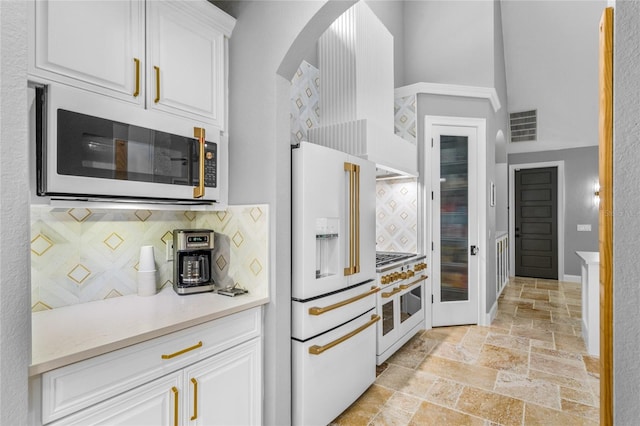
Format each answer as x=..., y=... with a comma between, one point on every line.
x=319, y=311
x=198, y=191
x=357, y=219
x=349, y=167
x=136, y=92
x=317, y=350
x=157, y=70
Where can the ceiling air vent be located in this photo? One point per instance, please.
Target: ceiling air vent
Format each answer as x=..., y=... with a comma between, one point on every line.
x=523, y=126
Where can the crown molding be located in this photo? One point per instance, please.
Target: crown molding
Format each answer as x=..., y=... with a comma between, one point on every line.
x=488, y=93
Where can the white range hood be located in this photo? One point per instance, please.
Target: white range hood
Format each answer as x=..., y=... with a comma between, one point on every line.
x=357, y=93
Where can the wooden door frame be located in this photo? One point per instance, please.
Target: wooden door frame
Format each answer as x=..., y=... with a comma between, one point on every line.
x=480, y=125
x=606, y=213
x=561, y=209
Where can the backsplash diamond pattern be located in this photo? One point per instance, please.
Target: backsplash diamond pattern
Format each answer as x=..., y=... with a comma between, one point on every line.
x=40, y=244
x=79, y=273
x=80, y=215
x=305, y=100
x=82, y=255
x=396, y=225
x=113, y=241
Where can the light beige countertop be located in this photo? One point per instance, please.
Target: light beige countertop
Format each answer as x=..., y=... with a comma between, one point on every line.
x=589, y=257
x=74, y=333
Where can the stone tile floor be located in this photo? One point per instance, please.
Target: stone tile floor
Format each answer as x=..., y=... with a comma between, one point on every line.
x=530, y=367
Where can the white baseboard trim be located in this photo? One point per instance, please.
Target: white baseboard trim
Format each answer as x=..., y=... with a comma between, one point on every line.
x=491, y=315
x=572, y=278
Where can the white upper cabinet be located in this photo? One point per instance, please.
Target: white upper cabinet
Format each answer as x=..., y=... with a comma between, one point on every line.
x=168, y=56
x=185, y=57
x=91, y=45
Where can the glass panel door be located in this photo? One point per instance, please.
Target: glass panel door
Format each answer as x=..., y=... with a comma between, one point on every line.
x=454, y=218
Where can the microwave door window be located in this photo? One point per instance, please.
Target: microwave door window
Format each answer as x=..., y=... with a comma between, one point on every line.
x=94, y=147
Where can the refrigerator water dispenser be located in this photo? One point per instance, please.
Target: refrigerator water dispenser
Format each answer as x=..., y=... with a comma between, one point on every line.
x=326, y=246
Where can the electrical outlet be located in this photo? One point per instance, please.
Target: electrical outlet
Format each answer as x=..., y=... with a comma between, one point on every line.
x=169, y=251
x=584, y=228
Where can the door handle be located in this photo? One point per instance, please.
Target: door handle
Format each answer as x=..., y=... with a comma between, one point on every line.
x=474, y=250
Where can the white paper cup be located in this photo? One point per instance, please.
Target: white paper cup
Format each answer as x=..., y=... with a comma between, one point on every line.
x=147, y=260
x=146, y=283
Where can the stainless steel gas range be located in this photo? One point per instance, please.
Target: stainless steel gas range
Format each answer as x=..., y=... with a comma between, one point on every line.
x=401, y=301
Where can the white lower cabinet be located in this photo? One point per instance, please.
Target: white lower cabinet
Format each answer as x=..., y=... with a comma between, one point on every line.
x=150, y=404
x=216, y=381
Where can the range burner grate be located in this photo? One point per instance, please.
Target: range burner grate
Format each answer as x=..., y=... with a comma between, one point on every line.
x=386, y=258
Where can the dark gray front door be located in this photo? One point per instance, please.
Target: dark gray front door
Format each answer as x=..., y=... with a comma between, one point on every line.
x=536, y=213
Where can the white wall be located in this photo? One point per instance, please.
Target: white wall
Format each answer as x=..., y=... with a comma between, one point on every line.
x=551, y=50
x=15, y=313
x=626, y=220
x=449, y=42
x=391, y=14
x=269, y=41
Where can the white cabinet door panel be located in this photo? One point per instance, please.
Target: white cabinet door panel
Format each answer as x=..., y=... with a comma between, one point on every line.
x=185, y=62
x=91, y=45
x=153, y=404
x=225, y=389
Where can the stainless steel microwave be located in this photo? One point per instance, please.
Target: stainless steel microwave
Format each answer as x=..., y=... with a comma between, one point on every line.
x=92, y=147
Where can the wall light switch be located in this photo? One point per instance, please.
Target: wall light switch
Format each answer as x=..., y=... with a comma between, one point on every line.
x=169, y=251
x=584, y=228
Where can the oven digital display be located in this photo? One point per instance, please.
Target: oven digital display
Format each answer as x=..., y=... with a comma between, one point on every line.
x=198, y=239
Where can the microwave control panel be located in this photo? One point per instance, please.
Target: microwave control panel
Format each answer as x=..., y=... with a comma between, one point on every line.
x=210, y=164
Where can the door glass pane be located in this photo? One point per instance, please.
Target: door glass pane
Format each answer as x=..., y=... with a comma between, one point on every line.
x=410, y=303
x=454, y=218
x=387, y=317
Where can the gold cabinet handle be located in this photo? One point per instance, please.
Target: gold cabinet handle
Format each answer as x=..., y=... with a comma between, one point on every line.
x=391, y=293
x=174, y=390
x=195, y=399
x=157, y=70
x=406, y=286
x=136, y=92
x=190, y=348
x=198, y=191
x=317, y=350
x=319, y=311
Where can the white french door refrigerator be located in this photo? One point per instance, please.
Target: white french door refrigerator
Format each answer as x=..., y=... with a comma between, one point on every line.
x=333, y=282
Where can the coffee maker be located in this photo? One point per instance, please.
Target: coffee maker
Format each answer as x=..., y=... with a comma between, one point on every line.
x=192, y=260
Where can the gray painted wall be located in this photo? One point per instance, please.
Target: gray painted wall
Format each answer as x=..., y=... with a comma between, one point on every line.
x=580, y=174
x=626, y=220
x=449, y=42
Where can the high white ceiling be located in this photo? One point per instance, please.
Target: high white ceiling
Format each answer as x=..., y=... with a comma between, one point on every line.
x=551, y=56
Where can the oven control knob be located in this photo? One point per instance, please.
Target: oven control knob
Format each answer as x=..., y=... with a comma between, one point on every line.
x=410, y=273
x=384, y=279
x=404, y=276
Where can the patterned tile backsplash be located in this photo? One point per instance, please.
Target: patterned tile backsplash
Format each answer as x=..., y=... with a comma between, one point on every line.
x=396, y=215
x=305, y=101
x=405, y=118
x=80, y=255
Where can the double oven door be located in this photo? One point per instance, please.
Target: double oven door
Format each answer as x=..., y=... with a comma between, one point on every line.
x=401, y=306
